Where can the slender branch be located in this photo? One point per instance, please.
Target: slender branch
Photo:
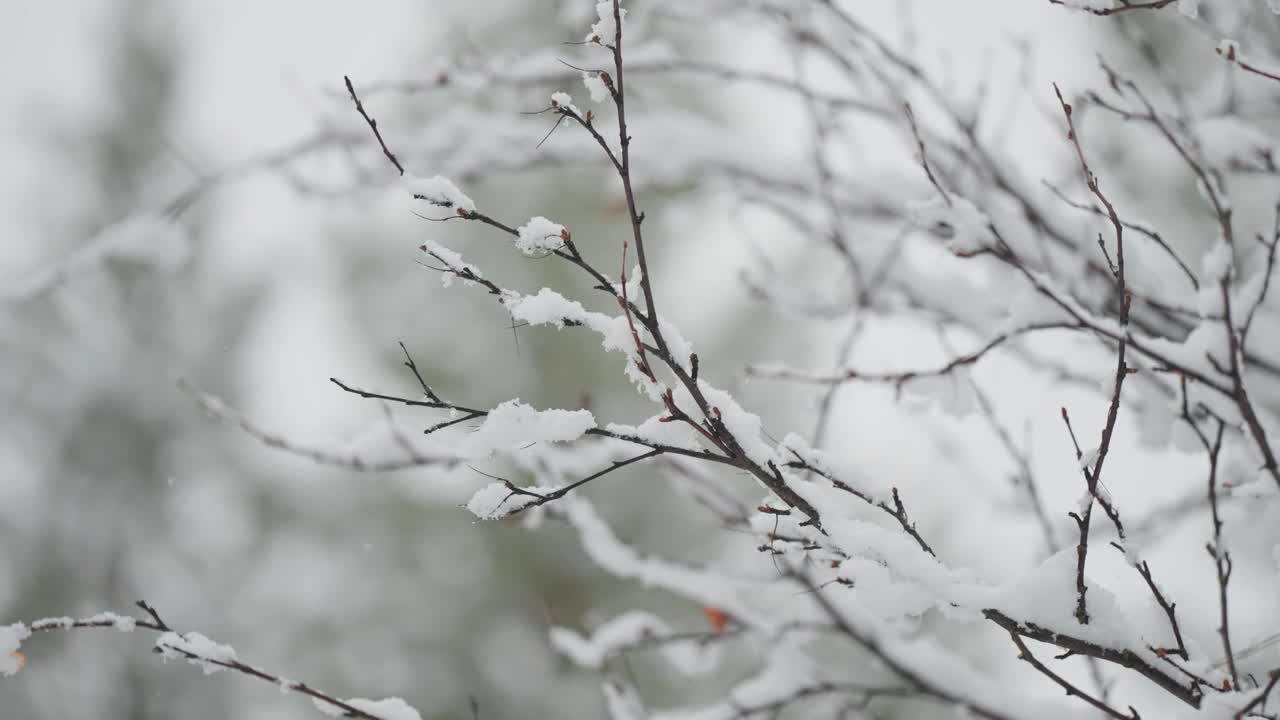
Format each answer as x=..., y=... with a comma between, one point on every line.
x=373, y=125
x=897, y=511
x=111, y=620
x=1189, y=694
x=900, y=377
x=543, y=499
x=1024, y=653
x=219, y=410
x=1125, y=6
x=924, y=156
x=918, y=680
x=1261, y=697
x=1221, y=558
x=1094, y=476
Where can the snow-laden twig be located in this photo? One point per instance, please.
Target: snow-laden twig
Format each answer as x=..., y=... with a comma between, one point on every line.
x=211, y=657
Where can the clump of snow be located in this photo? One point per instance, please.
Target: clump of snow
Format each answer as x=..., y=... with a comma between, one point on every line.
x=655, y=430
x=965, y=228
x=1047, y=597
x=514, y=424
x=562, y=101
x=11, y=637
x=1088, y=4
x=327, y=709
x=54, y=623
x=540, y=237
x=1088, y=458
x=595, y=85
x=455, y=266
x=1131, y=555
x=1190, y=8
x=1217, y=262
x=746, y=427
x=1084, y=502
x=123, y=623
x=622, y=701
x=195, y=649
x=438, y=190
x=708, y=587
x=549, y=307
x=1209, y=300
x=496, y=500
x=604, y=30
x=623, y=632
x=618, y=634
x=387, y=709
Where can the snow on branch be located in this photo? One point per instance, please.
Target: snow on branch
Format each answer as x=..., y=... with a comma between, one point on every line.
x=870, y=586
x=198, y=650
x=689, y=653
x=439, y=191
x=872, y=562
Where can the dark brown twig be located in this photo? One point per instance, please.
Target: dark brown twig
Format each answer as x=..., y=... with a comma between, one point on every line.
x=373, y=125
x=1024, y=653
x=1094, y=476
x=157, y=624
x=1125, y=6
x=1189, y=694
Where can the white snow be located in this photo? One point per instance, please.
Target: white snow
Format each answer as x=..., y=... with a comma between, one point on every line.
x=622, y=702
x=438, y=190
x=54, y=623
x=1047, y=597
x=123, y=623
x=708, y=587
x=599, y=91
x=604, y=30
x=655, y=430
x=1084, y=502
x=746, y=427
x=195, y=649
x=540, y=237
x=327, y=709
x=496, y=500
x=387, y=709
x=514, y=424
x=452, y=261
x=1088, y=458
x=629, y=630
x=1089, y=4
x=562, y=101
x=965, y=228
x=1216, y=263
x=1131, y=555
x=620, y=633
x=11, y=637
x=549, y=307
